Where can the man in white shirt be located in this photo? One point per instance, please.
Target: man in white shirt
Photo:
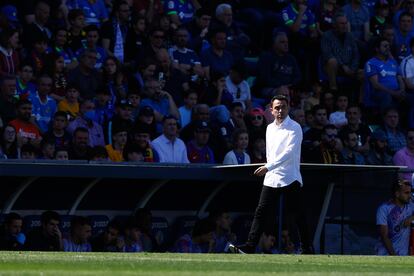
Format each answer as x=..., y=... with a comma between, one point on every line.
x=170, y=148
x=282, y=177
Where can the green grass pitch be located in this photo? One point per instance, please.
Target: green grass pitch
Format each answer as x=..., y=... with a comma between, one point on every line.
x=40, y=263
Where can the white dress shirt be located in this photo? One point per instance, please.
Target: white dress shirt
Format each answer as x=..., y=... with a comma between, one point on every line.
x=283, y=145
x=170, y=151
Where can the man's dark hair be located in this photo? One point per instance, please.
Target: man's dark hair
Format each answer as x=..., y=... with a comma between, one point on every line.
x=279, y=98
x=73, y=14
x=60, y=114
x=130, y=148
x=11, y=217
x=404, y=14
x=317, y=107
x=91, y=28
x=47, y=216
x=378, y=41
x=80, y=129
x=329, y=126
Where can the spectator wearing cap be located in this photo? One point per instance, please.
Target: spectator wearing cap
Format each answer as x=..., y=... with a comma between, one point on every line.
x=141, y=135
x=121, y=119
x=405, y=156
x=277, y=68
x=159, y=100
x=200, y=112
x=377, y=154
x=85, y=75
x=256, y=121
x=38, y=29
x=238, y=86
x=146, y=116
x=9, y=57
x=44, y=106
x=86, y=120
x=119, y=140
x=217, y=58
x=190, y=100
x=170, y=148
x=197, y=149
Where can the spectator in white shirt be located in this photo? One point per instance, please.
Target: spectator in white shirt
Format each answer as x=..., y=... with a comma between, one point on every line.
x=170, y=148
x=238, y=86
x=338, y=118
x=238, y=156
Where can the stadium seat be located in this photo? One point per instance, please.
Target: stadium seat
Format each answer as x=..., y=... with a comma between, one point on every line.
x=184, y=225
x=160, y=230
x=65, y=222
x=30, y=222
x=98, y=223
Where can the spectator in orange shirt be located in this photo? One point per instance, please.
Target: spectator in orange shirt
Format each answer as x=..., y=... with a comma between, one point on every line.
x=26, y=130
x=119, y=140
x=70, y=104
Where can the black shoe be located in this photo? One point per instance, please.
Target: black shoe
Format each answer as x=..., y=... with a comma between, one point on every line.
x=231, y=248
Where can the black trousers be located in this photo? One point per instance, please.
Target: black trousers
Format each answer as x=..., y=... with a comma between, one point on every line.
x=293, y=213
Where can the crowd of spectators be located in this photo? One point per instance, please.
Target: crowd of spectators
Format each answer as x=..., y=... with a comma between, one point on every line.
x=189, y=81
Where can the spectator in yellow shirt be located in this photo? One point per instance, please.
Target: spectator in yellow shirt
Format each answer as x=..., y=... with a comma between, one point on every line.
x=119, y=140
x=70, y=104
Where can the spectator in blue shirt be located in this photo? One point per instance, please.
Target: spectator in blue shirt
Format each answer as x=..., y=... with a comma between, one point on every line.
x=43, y=106
x=217, y=58
x=385, y=86
x=91, y=42
x=181, y=11
x=299, y=19
x=95, y=11
x=403, y=35
x=358, y=17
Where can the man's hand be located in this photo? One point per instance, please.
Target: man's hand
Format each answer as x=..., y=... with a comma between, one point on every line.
x=260, y=171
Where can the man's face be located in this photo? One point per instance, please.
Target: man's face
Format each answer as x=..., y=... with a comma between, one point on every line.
x=391, y=119
x=219, y=41
x=8, y=89
x=320, y=117
x=83, y=232
x=157, y=39
x=124, y=13
x=268, y=241
x=61, y=37
x=153, y=89
x=403, y=195
x=81, y=139
x=224, y=221
x=203, y=114
x=14, y=227
x=406, y=23
x=281, y=44
x=92, y=38
x=170, y=128
x=352, y=140
x=24, y=112
x=353, y=115
x=48, y=151
x=329, y=137
x=204, y=21
x=388, y=34
x=26, y=73
x=9, y=134
x=111, y=235
x=202, y=137
x=142, y=139
x=182, y=38
x=45, y=86
x=226, y=17
x=341, y=25
x=89, y=60
x=42, y=13
x=384, y=49
x=164, y=60
x=125, y=112
x=79, y=21
x=280, y=110
x=60, y=122
x=51, y=227
x=120, y=138
x=237, y=113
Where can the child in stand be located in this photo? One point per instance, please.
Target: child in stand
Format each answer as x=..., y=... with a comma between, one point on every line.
x=24, y=81
x=338, y=117
x=238, y=155
x=190, y=100
x=70, y=104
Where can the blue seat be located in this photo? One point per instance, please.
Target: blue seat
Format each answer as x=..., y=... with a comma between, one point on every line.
x=160, y=230
x=184, y=225
x=65, y=222
x=30, y=222
x=98, y=223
